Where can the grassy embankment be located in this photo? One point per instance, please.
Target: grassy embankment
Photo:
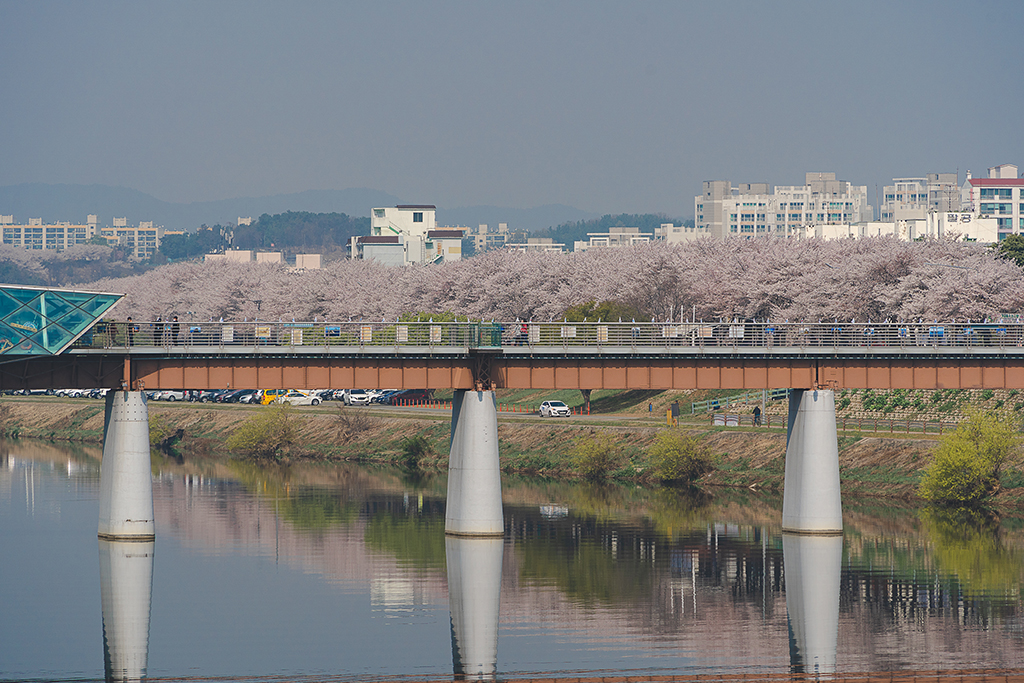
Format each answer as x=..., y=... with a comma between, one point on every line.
x=871, y=464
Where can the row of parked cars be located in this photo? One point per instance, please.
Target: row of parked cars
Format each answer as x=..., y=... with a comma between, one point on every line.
x=351, y=397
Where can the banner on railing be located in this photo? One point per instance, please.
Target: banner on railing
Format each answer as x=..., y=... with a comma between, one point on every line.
x=670, y=331
x=227, y=334
x=534, y=334
x=735, y=331
x=402, y=334
x=435, y=334
x=602, y=334
x=568, y=332
x=332, y=331
x=366, y=334
x=296, y=337
x=263, y=332
x=706, y=332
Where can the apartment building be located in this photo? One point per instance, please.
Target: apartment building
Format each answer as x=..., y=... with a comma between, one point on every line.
x=485, y=238
x=755, y=209
x=913, y=198
x=406, y=234
x=1000, y=196
x=52, y=236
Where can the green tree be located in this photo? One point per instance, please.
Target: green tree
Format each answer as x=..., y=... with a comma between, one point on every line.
x=967, y=464
x=1011, y=248
x=677, y=457
x=593, y=311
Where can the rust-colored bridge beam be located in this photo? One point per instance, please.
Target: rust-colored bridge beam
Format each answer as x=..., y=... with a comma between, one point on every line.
x=510, y=372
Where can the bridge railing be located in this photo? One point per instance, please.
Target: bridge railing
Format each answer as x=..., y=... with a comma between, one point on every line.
x=551, y=334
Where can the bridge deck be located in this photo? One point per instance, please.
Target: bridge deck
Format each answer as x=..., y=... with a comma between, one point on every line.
x=541, y=356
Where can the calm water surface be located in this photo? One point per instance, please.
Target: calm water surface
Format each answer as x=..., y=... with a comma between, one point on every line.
x=343, y=572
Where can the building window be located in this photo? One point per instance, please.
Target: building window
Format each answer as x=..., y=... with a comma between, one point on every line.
x=747, y=217
x=417, y=217
x=1005, y=223
x=747, y=228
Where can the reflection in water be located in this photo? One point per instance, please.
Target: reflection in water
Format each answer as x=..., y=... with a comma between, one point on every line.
x=126, y=588
x=813, y=566
x=474, y=589
x=610, y=579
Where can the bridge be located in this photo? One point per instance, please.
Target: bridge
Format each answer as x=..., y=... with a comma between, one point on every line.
x=532, y=355
x=56, y=339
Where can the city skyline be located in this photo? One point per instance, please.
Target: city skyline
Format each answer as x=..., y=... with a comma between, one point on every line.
x=601, y=107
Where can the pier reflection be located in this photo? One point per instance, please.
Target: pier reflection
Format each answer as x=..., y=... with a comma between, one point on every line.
x=474, y=590
x=126, y=589
x=813, y=566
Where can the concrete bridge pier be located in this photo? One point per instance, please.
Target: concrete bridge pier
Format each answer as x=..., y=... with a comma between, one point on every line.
x=474, y=476
x=813, y=566
x=126, y=591
x=474, y=591
x=126, y=485
x=812, y=503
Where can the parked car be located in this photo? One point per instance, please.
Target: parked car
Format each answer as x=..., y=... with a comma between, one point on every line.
x=171, y=395
x=298, y=398
x=249, y=396
x=554, y=409
x=356, y=397
x=414, y=395
x=270, y=395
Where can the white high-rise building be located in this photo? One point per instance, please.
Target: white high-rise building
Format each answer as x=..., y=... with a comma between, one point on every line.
x=754, y=209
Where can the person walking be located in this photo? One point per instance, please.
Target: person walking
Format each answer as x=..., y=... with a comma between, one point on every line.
x=129, y=332
x=158, y=332
x=175, y=328
x=757, y=416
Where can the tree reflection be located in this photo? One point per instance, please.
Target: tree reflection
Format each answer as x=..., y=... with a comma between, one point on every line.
x=968, y=545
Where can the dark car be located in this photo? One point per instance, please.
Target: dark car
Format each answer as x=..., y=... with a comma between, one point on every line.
x=411, y=396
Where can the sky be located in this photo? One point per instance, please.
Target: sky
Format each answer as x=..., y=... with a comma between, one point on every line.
x=605, y=106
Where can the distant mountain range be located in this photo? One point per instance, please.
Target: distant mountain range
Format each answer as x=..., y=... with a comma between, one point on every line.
x=73, y=203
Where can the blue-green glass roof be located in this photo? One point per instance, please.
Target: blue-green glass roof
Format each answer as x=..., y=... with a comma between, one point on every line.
x=35, y=321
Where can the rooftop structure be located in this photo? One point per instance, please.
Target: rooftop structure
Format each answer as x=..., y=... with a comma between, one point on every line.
x=615, y=237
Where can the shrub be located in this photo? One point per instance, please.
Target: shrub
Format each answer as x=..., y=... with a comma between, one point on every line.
x=968, y=462
x=678, y=458
x=414, y=449
x=270, y=434
x=987, y=394
x=594, y=457
x=354, y=422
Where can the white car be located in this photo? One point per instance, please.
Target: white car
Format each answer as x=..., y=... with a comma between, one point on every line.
x=171, y=395
x=357, y=397
x=554, y=409
x=298, y=398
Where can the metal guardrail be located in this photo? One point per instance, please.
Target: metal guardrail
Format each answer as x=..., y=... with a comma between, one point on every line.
x=844, y=424
x=463, y=335
x=736, y=399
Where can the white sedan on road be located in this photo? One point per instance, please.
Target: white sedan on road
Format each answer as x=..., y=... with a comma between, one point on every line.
x=554, y=409
x=299, y=398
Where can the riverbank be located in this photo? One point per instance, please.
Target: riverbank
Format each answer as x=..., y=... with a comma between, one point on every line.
x=871, y=465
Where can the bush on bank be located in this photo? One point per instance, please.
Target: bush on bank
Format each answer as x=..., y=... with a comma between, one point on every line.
x=969, y=461
x=270, y=434
x=677, y=457
x=593, y=457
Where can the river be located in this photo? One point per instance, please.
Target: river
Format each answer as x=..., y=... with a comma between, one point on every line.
x=341, y=572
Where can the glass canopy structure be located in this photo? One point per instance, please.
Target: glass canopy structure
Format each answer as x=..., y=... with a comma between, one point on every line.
x=36, y=321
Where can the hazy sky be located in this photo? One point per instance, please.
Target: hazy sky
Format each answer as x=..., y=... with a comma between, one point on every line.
x=608, y=107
